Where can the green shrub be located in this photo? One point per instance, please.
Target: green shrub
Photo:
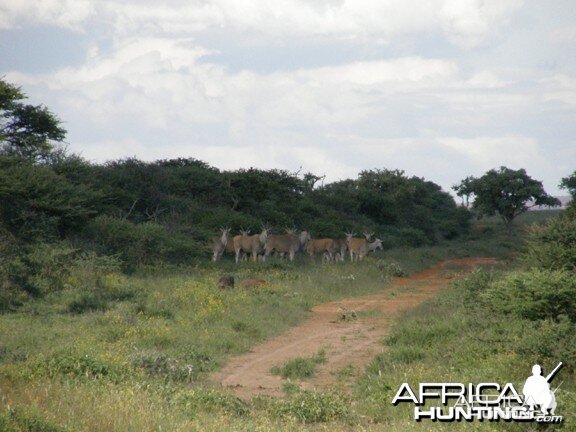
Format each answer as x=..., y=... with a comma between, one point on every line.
x=18, y=420
x=312, y=407
x=73, y=366
x=88, y=302
x=96, y=289
x=11, y=297
x=138, y=244
x=552, y=245
x=413, y=237
x=157, y=364
x=153, y=310
x=41, y=269
x=548, y=342
x=92, y=263
x=32, y=271
x=391, y=268
x=211, y=401
x=476, y=282
x=535, y=294
x=300, y=367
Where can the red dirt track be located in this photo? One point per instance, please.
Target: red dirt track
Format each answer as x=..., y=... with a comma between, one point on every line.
x=349, y=345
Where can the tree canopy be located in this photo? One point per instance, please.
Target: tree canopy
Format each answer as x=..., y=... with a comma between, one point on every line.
x=26, y=131
x=569, y=183
x=505, y=192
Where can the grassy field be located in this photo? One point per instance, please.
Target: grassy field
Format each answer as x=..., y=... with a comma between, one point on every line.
x=130, y=353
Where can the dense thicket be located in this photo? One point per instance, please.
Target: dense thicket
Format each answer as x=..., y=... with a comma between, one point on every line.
x=187, y=199
x=165, y=211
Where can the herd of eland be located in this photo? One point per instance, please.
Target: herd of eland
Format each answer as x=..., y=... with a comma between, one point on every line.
x=262, y=245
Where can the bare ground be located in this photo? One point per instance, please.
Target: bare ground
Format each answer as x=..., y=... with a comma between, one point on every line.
x=350, y=331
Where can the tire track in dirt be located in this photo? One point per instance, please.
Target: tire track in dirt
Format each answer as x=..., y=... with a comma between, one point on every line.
x=349, y=345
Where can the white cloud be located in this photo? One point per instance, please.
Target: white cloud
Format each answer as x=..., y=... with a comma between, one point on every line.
x=463, y=21
x=468, y=22
x=151, y=78
x=491, y=152
x=69, y=14
x=563, y=35
x=407, y=72
x=559, y=88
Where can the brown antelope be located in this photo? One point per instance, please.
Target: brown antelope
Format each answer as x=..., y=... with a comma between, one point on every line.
x=230, y=246
x=340, y=248
x=219, y=244
x=359, y=247
x=289, y=243
x=323, y=246
x=250, y=244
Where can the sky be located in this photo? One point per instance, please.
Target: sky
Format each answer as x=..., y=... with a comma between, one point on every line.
x=441, y=89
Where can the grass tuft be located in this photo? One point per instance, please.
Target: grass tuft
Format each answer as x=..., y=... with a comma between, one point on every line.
x=300, y=368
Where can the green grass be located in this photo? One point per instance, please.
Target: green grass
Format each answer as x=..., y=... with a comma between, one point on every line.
x=301, y=367
x=122, y=353
x=453, y=338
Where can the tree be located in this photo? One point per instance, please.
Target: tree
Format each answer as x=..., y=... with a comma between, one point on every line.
x=39, y=200
x=463, y=191
x=569, y=183
x=26, y=131
x=40, y=205
x=505, y=192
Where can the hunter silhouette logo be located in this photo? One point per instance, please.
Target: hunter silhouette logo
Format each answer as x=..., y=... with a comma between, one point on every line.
x=484, y=401
x=537, y=390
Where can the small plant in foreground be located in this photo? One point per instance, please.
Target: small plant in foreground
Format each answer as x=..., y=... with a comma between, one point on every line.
x=391, y=268
x=312, y=407
x=300, y=367
x=345, y=315
x=211, y=401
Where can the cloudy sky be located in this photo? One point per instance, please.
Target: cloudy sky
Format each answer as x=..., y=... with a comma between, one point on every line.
x=442, y=89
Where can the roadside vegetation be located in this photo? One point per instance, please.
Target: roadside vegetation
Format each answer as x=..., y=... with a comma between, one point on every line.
x=492, y=325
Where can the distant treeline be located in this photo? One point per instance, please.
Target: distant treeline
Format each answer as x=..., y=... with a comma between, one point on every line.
x=167, y=209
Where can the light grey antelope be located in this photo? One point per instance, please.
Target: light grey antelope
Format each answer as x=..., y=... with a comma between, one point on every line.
x=360, y=247
x=288, y=243
x=250, y=244
x=219, y=244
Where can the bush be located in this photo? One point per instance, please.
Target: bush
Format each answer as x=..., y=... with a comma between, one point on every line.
x=88, y=302
x=211, y=401
x=312, y=407
x=156, y=364
x=97, y=284
x=37, y=270
x=547, y=342
x=18, y=420
x=534, y=295
x=73, y=366
x=300, y=367
x=138, y=244
x=391, y=268
x=552, y=245
x=413, y=237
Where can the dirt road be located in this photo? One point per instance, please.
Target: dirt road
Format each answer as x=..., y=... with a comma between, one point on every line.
x=350, y=331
